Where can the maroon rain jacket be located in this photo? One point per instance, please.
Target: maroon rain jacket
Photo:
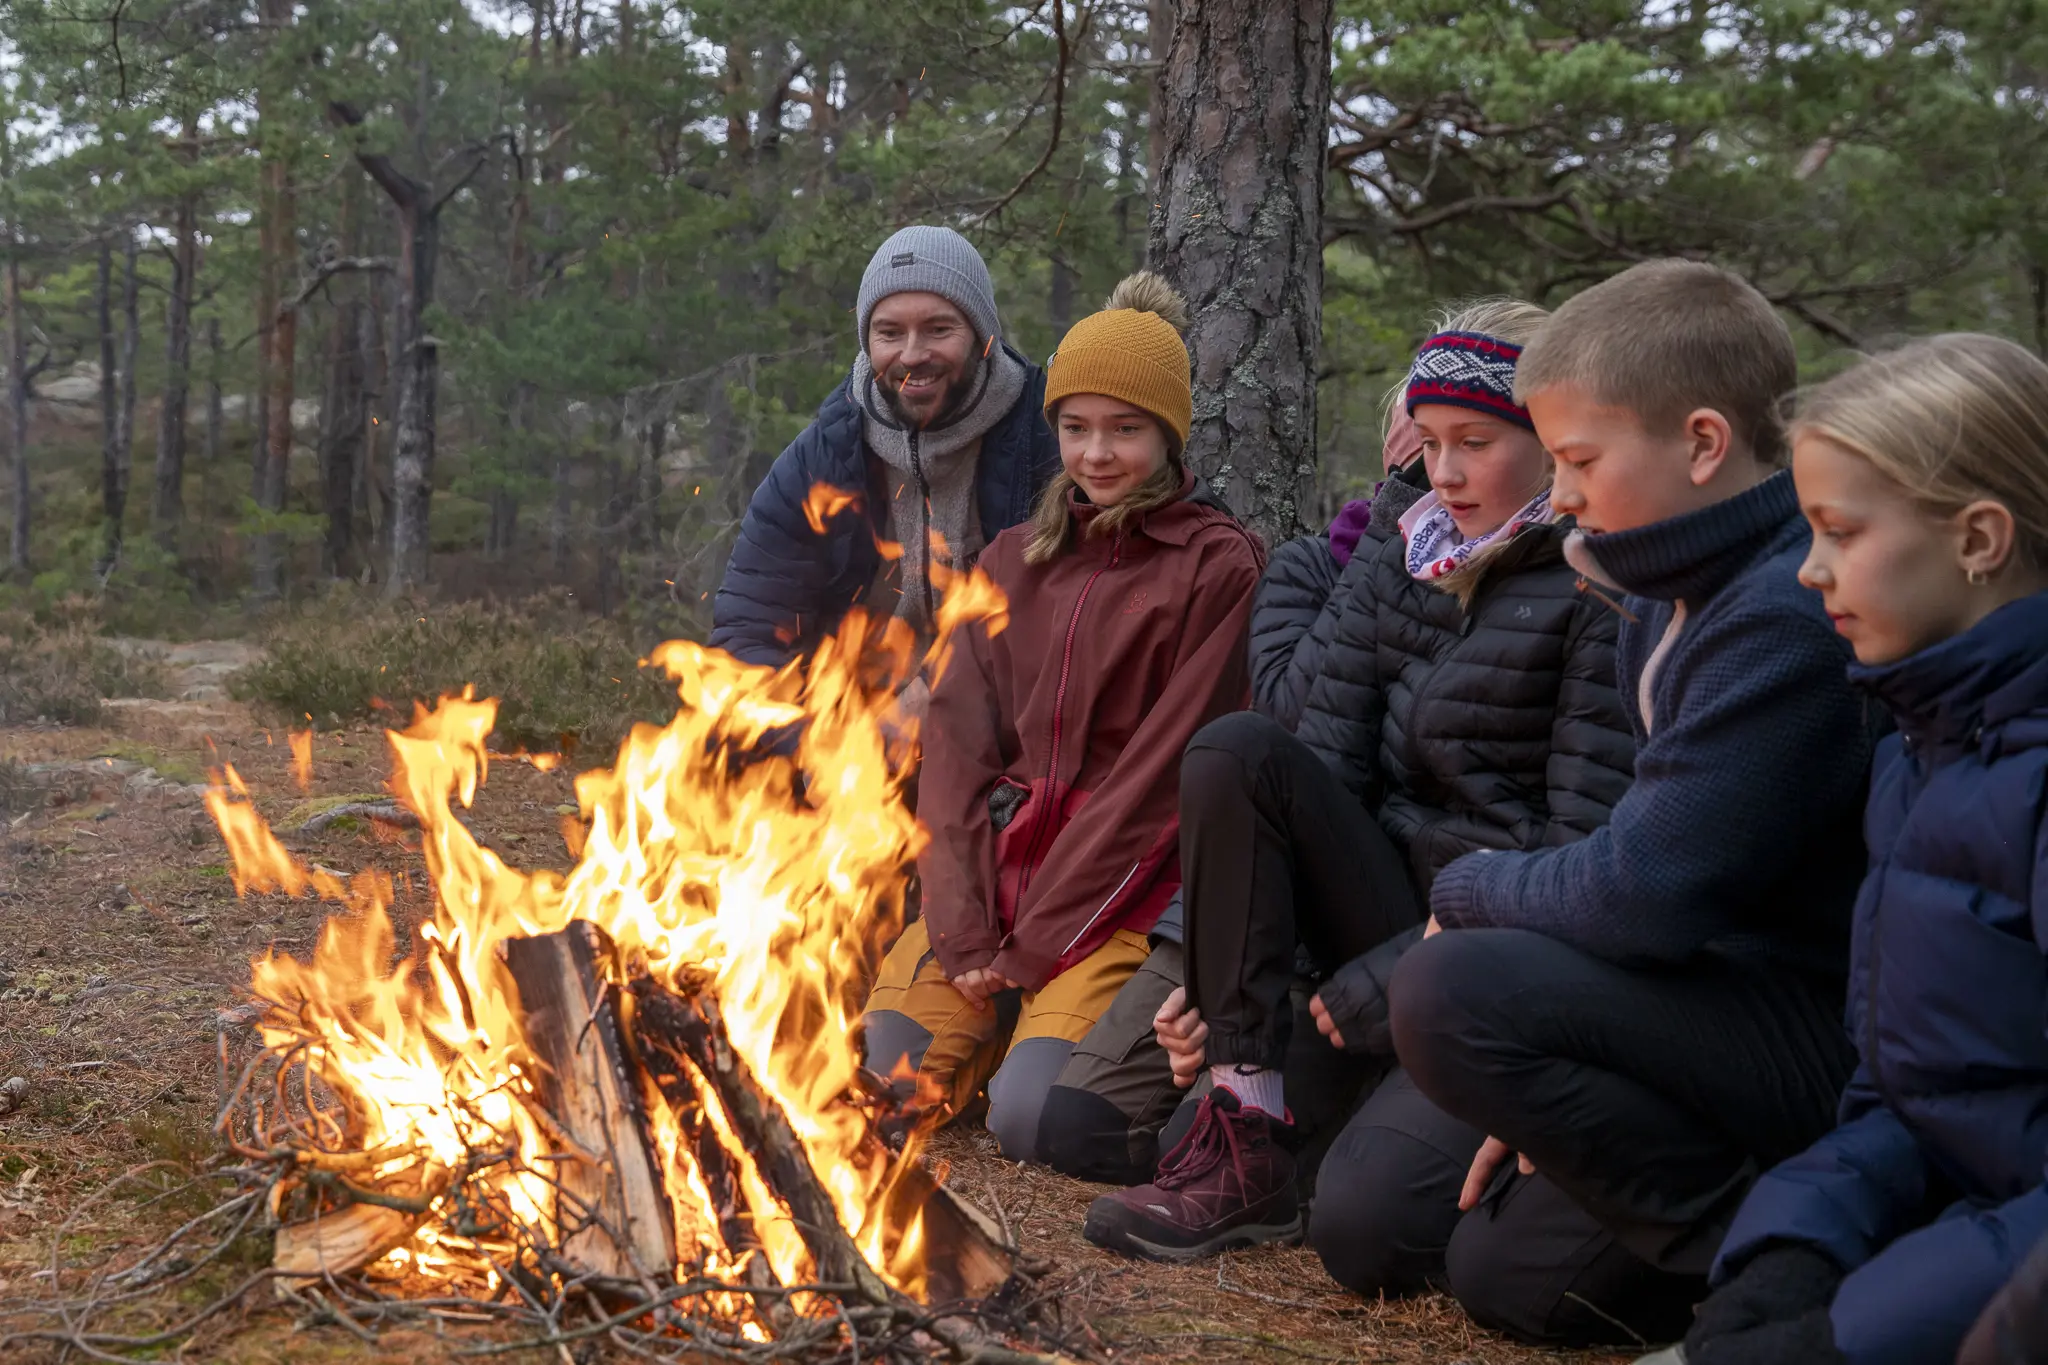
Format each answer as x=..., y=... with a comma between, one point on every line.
x=1066, y=727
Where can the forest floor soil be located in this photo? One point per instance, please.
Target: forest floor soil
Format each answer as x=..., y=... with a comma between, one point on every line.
x=123, y=948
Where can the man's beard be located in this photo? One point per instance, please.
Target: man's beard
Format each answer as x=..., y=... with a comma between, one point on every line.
x=950, y=401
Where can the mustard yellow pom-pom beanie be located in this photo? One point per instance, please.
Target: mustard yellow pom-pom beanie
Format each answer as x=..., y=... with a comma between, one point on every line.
x=1133, y=350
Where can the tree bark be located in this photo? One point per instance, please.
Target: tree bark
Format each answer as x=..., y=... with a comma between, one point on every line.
x=17, y=405
x=1237, y=224
x=112, y=492
x=648, y=515
x=416, y=356
x=168, y=509
x=1060, y=306
x=279, y=327
x=343, y=415
x=214, y=405
x=558, y=516
x=131, y=341
x=280, y=360
x=418, y=364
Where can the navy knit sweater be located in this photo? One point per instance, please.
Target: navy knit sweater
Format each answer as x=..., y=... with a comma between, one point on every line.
x=1742, y=833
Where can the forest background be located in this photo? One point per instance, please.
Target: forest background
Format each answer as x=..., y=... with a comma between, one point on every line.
x=312, y=304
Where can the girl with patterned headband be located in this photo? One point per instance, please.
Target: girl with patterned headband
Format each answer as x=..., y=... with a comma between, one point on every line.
x=1466, y=702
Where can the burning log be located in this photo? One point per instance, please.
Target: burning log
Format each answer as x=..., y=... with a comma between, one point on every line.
x=966, y=1256
x=338, y=1242
x=615, y=1215
x=691, y=1029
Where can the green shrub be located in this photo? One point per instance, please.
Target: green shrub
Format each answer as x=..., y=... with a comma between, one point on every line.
x=560, y=676
x=60, y=669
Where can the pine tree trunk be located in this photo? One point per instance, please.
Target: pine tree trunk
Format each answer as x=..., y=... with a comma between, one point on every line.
x=558, y=518
x=131, y=341
x=1060, y=306
x=342, y=416
x=383, y=420
x=418, y=364
x=215, y=414
x=278, y=324
x=17, y=407
x=342, y=423
x=168, y=509
x=112, y=493
x=1242, y=118
x=280, y=362
x=650, y=483
x=369, y=345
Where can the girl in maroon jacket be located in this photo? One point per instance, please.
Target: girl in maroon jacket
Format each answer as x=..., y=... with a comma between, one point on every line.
x=1053, y=741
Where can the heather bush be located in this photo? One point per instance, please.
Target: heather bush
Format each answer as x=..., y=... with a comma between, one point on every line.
x=561, y=677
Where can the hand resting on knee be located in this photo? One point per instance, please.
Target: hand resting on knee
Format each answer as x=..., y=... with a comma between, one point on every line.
x=1180, y=1030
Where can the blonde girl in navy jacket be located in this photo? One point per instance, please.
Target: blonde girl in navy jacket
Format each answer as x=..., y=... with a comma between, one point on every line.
x=1924, y=473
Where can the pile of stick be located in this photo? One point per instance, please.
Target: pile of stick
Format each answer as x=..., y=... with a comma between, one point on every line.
x=601, y=1049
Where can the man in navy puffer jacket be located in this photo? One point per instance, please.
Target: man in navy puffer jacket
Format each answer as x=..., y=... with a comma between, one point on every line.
x=1929, y=1192
x=938, y=429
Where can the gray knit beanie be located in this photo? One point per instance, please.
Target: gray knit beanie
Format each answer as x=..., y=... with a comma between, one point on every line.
x=930, y=260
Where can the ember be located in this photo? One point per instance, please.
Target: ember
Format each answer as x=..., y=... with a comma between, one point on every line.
x=636, y=1082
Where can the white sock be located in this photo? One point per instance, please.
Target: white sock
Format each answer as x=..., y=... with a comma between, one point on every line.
x=1256, y=1087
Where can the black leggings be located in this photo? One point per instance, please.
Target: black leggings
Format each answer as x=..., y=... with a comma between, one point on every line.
x=1275, y=852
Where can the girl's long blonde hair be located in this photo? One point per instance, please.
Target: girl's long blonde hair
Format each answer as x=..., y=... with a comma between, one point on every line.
x=1052, y=523
x=1953, y=419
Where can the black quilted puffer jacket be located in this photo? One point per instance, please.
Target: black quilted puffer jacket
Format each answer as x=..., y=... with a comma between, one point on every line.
x=1476, y=712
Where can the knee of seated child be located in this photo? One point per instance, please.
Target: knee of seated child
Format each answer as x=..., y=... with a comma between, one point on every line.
x=1445, y=997
x=1240, y=733
x=1016, y=1094
x=1493, y=1284
x=1084, y=1135
x=1374, y=1233
x=892, y=1039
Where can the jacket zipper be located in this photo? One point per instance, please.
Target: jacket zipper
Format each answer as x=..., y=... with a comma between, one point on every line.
x=924, y=550
x=1104, y=909
x=1059, y=702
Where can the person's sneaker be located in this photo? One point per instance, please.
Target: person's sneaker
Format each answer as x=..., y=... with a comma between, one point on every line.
x=1228, y=1183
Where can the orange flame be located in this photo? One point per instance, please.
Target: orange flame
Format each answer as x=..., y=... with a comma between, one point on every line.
x=778, y=878
x=825, y=502
x=302, y=759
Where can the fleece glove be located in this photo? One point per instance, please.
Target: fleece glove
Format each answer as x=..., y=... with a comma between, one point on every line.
x=1356, y=996
x=1774, y=1310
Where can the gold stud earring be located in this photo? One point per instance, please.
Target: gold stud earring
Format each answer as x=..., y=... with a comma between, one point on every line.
x=1977, y=578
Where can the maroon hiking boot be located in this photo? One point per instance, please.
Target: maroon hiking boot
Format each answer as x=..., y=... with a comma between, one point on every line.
x=1228, y=1183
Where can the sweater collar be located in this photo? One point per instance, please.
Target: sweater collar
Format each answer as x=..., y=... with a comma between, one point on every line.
x=1992, y=673
x=1690, y=557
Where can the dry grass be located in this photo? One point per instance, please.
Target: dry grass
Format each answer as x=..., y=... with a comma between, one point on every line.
x=60, y=671
x=122, y=940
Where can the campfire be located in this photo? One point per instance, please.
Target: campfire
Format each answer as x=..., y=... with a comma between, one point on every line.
x=631, y=1093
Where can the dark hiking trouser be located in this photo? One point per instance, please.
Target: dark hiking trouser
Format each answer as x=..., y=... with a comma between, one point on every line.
x=1649, y=1098
x=1385, y=1221
x=1275, y=853
x=1114, y=1110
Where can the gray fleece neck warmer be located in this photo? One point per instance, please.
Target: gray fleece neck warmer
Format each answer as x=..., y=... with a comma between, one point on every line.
x=931, y=483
